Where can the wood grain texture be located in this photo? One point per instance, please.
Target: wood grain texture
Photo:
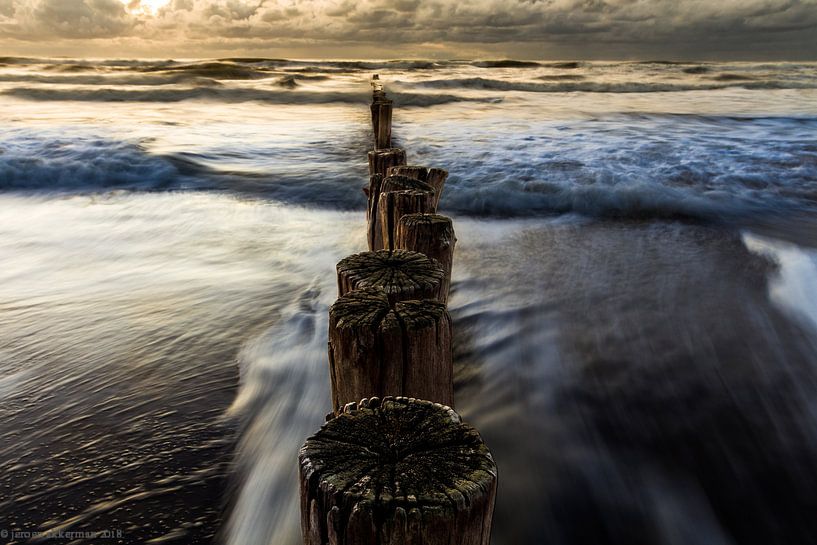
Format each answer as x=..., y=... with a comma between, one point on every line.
x=412, y=171
x=380, y=160
x=377, y=187
x=432, y=235
x=436, y=179
x=376, y=349
x=401, y=183
x=404, y=275
x=382, y=133
x=396, y=471
x=394, y=205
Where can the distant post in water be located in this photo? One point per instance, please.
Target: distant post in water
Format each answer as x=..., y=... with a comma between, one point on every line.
x=396, y=471
x=432, y=235
x=381, y=115
x=377, y=350
x=382, y=137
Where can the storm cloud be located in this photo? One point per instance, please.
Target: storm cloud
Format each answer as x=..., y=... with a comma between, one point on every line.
x=388, y=28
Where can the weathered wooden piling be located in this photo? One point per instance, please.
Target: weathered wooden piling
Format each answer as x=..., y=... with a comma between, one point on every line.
x=381, y=160
x=394, y=205
x=404, y=275
x=412, y=171
x=382, y=136
x=375, y=228
x=376, y=349
x=399, y=183
x=381, y=115
x=396, y=472
x=401, y=471
x=429, y=234
x=435, y=177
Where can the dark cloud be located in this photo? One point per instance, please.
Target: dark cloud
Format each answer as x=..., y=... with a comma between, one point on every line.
x=589, y=28
x=45, y=19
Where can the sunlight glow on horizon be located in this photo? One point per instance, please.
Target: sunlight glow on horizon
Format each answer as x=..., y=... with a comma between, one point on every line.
x=145, y=6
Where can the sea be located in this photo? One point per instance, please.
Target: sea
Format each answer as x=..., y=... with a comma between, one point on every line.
x=633, y=298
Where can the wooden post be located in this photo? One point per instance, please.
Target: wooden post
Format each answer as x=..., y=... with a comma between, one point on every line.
x=382, y=135
x=395, y=470
x=429, y=234
x=376, y=350
x=372, y=192
x=399, y=471
x=394, y=205
x=380, y=160
x=380, y=187
x=412, y=171
x=404, y=275
x=399, y=183
x=435, y=177
x=378, y=96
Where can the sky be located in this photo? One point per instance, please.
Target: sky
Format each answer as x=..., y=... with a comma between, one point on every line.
x=523, y=29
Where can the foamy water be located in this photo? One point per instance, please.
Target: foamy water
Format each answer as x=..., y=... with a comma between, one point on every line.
x=634, y=321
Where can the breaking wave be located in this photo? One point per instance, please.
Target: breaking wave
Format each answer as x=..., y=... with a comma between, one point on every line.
x=30, y=162
x=526, y=175
x=507, y=63
x=489, y=84
x=231, y=95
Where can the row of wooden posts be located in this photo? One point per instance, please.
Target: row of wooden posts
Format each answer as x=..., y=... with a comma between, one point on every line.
x=394, y=464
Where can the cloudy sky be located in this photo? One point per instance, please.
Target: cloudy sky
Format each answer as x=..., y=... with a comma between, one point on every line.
x=533, y=29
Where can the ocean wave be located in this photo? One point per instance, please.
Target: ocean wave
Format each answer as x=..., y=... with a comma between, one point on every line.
x=230, y=95
x=630, y=165
x=251, y=67
x=70, y=68
x=287, y=82
x=18, y=60
x=561, y=77
x=570, y=65
x=216, y=70
x=33, y=162
x=733, y=77
x=635, y=164
x=109, y=79
x=148, y=78
x=489, y=84
x=533, y=181
x=506, y=63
